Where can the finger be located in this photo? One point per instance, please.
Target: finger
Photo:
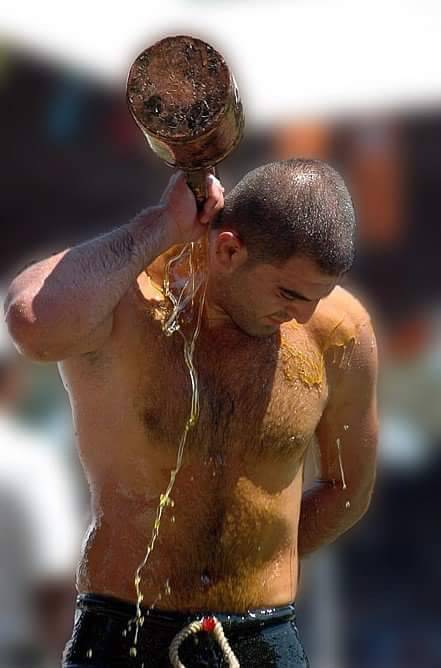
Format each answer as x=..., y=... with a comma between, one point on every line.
x=218, y=206
x=171, y=183
x=214, y=186
x=212, y=197
x=210, y=202
x=210, y=210
x=174, y=177
x=205, y=215
x=213, y=201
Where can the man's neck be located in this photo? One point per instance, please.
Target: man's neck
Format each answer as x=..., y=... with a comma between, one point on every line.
x=214, y=314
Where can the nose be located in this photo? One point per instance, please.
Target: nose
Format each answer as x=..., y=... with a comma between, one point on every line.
x=304, y=312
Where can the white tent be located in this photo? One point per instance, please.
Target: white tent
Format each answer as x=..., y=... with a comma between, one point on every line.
x=291, y=58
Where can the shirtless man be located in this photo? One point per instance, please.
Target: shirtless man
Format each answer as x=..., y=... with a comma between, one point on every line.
x=285, y=358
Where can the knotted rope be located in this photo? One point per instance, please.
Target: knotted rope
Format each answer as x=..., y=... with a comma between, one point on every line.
x=210, y=625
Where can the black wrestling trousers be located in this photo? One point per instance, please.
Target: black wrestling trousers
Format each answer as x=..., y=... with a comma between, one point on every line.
x=102, y=637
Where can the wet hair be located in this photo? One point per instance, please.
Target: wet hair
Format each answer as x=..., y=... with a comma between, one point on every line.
x=293, y=207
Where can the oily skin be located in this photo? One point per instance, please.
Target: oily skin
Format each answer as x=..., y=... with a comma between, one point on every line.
x=230, y=540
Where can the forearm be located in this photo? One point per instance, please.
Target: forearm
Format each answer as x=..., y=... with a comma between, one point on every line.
x=66, y=296
x=327, y=511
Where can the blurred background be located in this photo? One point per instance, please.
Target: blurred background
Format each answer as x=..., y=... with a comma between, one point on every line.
x=358, y=86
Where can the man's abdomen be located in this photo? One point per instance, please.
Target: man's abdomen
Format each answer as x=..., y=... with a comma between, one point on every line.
x=191, y=567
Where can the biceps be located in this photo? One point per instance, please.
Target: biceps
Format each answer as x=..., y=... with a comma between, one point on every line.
x=347, y=441
x=90, y=343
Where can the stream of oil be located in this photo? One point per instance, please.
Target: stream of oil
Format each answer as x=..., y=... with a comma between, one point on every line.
x=196, y=254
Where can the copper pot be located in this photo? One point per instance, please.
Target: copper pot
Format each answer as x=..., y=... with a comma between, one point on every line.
x=184, y=98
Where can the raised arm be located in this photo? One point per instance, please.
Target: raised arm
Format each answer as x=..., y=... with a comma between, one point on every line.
x=63, y=305
x=349, y=423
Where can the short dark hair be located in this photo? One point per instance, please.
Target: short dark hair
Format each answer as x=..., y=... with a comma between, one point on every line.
x=293, y=207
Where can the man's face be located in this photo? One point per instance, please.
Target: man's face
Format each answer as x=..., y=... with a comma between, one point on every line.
x=260, y=297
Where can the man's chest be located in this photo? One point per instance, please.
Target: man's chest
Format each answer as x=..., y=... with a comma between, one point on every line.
x=254, y=398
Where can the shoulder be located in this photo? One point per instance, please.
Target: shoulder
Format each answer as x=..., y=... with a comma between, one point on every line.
x=343, y=330
x=340, y=319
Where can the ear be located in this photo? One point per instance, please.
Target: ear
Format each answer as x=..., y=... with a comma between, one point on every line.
x=227, y=250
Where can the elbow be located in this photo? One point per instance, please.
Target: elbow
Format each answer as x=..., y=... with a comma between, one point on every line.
x=22, y=329
x=362, y=506
x=17, y=321
x=360, y=498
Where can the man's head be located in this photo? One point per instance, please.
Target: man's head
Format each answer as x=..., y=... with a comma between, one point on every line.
x=281, y=243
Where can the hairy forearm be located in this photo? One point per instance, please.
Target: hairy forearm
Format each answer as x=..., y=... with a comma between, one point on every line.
x=326, y=512
x=66, y=296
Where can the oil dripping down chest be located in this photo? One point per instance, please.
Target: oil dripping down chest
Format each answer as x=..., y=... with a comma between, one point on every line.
x=255, y=399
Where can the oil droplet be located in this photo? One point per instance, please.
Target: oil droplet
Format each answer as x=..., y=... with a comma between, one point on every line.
x=173, y=519
x=133, y=651
x=346, y=427
x=205, y=579
x=340, y=461
x=89, y=653
x=347, y=354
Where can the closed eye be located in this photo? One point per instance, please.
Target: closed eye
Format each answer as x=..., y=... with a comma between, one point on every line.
x=291, y=296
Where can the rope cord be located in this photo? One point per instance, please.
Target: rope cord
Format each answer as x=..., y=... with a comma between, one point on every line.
x=210, y=625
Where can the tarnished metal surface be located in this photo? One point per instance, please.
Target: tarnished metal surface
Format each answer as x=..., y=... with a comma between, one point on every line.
x=185, y=100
